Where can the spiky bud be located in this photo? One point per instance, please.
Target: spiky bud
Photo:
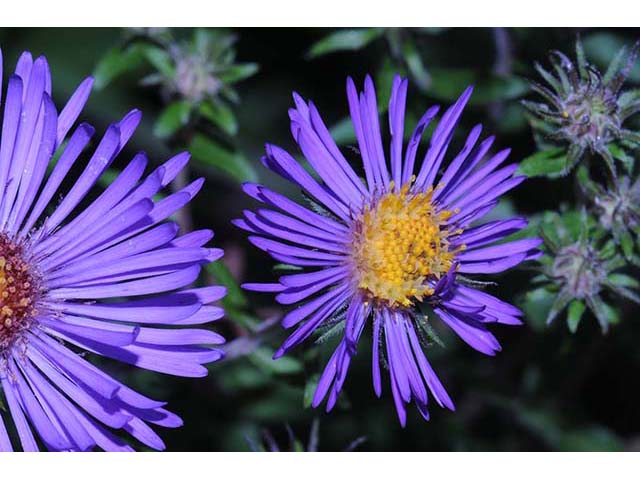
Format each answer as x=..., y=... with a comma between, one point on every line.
x=584, y=109
x=617, y=208
x=582, y=269
x=194, y=79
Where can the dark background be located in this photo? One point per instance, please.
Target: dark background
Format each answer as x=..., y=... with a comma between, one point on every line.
x=547, y=389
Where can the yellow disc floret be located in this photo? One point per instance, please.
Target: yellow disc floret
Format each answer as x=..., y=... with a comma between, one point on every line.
x=399, y=243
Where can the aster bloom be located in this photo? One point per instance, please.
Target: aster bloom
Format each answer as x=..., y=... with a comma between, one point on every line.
x=79, y=275
x=382, y=248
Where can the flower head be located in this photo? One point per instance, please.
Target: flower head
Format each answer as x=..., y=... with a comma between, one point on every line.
x=585, y=109
x=582, y=269
x=100, y=277
x=198, y=69
x=380, y=248
x=617, y=207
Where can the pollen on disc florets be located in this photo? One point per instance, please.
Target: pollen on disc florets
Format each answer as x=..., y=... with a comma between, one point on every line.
x=399, y=244
x=18, y=292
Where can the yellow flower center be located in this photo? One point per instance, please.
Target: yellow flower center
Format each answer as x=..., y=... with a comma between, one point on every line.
x=398, y=245
x=17, y=293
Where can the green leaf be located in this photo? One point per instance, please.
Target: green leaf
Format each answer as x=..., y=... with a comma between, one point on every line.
x=241, y=375
x=233, y=164
x=239, y=72
x=235, y=295
x=241, y=317
x=620, y=154
x=615, y=65
x=576, y=309
x=548, y=77
x=173, y=118
x=592, y=439
x=581, y=59
x=415, y=65
x=342, y=132
x=235, y=301
x=220, y=115
x=262, y=358
x=115, y=63
x=448, y=83
x=160, y=59
x=310, y=390
x=550, y=163
x=384, y=82
x=537, y=305
x=561, y=301
x=622, y=280
x=612, y=313
x=342, y=40
x=626, y=243
x=601, y=311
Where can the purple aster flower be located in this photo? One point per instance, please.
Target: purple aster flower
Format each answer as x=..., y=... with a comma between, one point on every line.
x=102, y=275
x=380, y=249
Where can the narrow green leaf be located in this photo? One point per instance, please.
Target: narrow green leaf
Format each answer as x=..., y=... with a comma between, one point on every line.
x=241, y=317
x=620, y=154
x=416, y=66
x=160, y=59
x=622, y=280
x=238, y=72
x=310, y=390
x=233, y=164
x=448, y=83
x=262, y=358
x=625, y=293
x=550, y=79
x=612, y=313
x=384, y=82
x=576, y=309
x=581, y=59
x=342, y=132
x=537, y=305
x=615, y=65
x=626, y=243
x=601, y=310
x=592, y=439
x=235, y=295
x=559, y=304
x=546, y=163
x=116, y=62
x=173, y=118
x=341, y=40
x=220, y=115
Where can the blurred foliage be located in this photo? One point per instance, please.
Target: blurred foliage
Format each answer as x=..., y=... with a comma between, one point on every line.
x=196, y=77
x=557, y=386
